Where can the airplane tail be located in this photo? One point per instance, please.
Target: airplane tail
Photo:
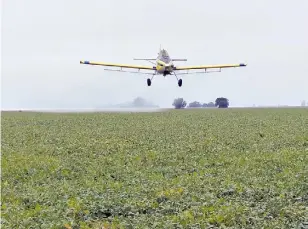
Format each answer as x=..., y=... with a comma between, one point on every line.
x=159, y=49
x=173, y=59
x=153, y=59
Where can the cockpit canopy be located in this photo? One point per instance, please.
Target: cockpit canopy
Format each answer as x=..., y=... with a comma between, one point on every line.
x=164, y=56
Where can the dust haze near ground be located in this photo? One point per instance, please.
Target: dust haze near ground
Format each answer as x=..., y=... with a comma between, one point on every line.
x=104, y=110
x=43, y=41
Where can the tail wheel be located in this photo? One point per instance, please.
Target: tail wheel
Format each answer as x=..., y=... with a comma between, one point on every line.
x=149, y=82
x=180, y=82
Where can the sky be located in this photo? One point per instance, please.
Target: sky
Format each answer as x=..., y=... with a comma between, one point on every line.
x=43, y=42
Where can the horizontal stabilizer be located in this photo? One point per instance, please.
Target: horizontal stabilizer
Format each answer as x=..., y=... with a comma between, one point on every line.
x=179, y=59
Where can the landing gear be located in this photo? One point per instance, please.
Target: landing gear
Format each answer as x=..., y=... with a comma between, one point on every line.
x=179, y=80
x=149, y=81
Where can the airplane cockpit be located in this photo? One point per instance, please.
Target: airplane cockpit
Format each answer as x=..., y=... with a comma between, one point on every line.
x=164, y=56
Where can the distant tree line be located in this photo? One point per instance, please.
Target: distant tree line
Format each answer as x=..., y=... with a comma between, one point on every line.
x=180, y=103
x=199, y=104
x=138, y=102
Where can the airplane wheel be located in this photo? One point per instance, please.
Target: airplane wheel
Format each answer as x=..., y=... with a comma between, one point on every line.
x=149, y=82
x=180, y=82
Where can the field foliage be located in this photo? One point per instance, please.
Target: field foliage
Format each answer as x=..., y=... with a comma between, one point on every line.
x=208, y=168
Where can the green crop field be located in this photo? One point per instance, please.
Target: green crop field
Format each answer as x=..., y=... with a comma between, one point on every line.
x=207, y=168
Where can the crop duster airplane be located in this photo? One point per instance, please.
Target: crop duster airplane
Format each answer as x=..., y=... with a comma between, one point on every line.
x=163, y=66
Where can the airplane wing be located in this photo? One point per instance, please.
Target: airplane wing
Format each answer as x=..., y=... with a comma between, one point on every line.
x=117, y=65
x=210, y=66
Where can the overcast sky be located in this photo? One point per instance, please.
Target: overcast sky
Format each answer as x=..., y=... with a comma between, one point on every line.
x=43, y=42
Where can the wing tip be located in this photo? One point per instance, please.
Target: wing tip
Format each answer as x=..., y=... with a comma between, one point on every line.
x=84, y=62
x=243, y=65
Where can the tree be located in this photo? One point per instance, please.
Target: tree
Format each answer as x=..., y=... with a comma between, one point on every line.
x=222, y=102
x=211, y=104
x=139, y=102
x=303, y=103
x=179, y=103
x=195, y=104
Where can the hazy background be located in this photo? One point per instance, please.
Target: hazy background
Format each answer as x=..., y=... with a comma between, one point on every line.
x=43, y=41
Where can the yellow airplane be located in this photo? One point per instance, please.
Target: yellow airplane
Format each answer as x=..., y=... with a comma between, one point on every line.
x=163, y=66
